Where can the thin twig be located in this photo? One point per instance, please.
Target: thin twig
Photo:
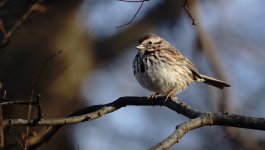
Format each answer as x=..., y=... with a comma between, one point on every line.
x=39, y=108
x=7, y=35
x=23, y=19
x=38, y=96
x=18, y=103
x=188, y=12
x=28, y=117
x=142, y=3
x=47, y=60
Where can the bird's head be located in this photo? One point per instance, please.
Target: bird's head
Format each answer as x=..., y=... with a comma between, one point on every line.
x=151, y=42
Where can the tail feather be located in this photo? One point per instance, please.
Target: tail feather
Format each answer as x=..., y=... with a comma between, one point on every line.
x=215, y=82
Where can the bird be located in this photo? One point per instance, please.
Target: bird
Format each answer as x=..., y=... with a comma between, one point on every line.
x=160, y=67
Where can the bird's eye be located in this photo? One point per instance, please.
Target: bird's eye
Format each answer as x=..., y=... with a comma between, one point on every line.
x=149, y=42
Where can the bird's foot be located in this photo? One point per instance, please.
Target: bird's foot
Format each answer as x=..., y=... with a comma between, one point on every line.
x=154, y=96
x=172, y=96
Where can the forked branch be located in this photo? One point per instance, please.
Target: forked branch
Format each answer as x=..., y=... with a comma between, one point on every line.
x=198, y=119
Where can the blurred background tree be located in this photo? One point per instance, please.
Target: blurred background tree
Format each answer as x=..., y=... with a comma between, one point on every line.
x=95, y=67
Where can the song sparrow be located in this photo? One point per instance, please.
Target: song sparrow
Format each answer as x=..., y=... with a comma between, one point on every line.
x=159, y=67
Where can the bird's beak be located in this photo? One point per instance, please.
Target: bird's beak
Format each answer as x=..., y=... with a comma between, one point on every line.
x=140, y=47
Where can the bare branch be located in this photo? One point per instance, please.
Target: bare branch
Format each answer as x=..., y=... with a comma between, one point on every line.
x=39, y=108
x=142, y=3
x=18, y=103
x=36, y=7
x=47, y=60
x=208, y=119
x=188, y=12
x=180, y=131
x=97, y=111
x=38, y=96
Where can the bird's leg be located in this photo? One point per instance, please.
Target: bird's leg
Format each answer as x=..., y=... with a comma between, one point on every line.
x=152, y=97
x=172, y=95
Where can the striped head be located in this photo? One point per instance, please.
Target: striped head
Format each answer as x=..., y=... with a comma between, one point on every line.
x=151, y=42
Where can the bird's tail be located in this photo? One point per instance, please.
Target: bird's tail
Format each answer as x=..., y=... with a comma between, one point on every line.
x=215, y=82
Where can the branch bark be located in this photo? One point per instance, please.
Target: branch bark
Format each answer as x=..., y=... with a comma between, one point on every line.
x=180, y=131
x=198, y=119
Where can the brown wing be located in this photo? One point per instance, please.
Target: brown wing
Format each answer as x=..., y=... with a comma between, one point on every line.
x=187, y=63
x=193, y=69
x=183, y=60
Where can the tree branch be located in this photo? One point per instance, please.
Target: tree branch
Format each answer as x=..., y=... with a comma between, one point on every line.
x=198, y=118
x=180, y=131
x=208, y=119
x=97, y=111
x=188, y=12
x=36, y=7
x=138, y=10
